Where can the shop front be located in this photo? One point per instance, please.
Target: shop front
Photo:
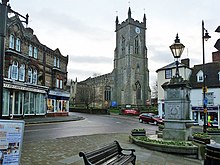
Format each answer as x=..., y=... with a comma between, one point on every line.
x=213, y=115
x=58, y=101
x=20, y=99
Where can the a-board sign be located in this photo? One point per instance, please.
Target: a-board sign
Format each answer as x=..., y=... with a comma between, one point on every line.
x=11, y=138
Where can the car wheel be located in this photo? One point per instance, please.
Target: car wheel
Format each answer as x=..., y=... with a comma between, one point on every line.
x=140, y=120
x=155, y=122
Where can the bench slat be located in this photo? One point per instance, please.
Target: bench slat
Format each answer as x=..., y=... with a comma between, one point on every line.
x=109, y=155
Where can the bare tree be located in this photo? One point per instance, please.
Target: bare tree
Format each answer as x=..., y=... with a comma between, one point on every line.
x=155, y=90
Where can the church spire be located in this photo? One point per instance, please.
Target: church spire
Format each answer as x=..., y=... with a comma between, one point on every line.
x=144, y=19
x=129, y=13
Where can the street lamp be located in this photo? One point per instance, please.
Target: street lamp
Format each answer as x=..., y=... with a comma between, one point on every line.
x=205, y=37
x=177, y=50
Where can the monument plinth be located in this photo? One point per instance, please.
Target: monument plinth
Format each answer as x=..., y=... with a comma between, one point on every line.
x=177, y=123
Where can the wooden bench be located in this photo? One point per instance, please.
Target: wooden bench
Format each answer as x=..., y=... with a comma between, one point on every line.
x=111, y=154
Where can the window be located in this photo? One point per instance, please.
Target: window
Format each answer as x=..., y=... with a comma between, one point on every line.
x=30, y=75
x=168, y=73
x=55, y=61
x=136, y=45
x=18, y=44
x=30, y=50
x=35, y=52
x=107, y=93
x=34, y=80
x=200, y=76
x=11, y=42
x=57, y=83
x=61, y=84
x=22, y=72
x=14, y=70
x=138, y=90
x=123, y=45
x=218, y=76
x=58, y=62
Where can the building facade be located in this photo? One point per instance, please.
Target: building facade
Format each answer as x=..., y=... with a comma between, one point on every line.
x=34, y=75
x=128, y=83
x=212, y=72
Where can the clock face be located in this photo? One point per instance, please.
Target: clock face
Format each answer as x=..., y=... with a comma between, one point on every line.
x=137, y=30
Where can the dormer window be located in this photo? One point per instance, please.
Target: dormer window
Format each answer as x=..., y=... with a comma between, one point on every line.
x=200, y=76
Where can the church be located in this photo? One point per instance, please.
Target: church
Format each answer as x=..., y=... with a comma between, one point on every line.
x=128, y=83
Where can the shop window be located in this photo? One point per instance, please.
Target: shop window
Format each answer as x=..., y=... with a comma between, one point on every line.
x=30, y=51
x=18, y=44
x=11, y=42
x=22, y=72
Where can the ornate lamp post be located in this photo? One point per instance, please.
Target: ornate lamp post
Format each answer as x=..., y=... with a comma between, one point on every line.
x=205, y=37
x=177, y=50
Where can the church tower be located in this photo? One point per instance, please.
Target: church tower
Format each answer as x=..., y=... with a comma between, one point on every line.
x=131, y=74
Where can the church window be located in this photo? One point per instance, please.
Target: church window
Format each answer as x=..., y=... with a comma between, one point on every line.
x=123, y=45
x=136, y=45
x=107, y=93
x=138, y=90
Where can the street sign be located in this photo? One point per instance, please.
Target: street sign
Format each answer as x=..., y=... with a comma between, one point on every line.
x=205, y=101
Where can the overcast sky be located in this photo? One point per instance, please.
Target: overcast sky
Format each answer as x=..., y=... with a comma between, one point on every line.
x=84, y=30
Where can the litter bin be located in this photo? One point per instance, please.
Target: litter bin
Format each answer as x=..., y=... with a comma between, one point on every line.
x=212, y=156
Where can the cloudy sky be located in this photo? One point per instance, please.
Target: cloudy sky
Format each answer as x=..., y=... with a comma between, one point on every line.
x=84, y=29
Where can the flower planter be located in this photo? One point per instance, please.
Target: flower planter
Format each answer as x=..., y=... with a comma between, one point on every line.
x=201, y=140
x=138, y=133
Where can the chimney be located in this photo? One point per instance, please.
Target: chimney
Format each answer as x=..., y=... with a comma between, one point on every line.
x=185, y=62
x=216, y=56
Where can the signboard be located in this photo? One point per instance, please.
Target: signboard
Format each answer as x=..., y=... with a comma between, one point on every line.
x=11, y=137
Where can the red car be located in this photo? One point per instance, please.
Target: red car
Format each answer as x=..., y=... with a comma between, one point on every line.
x=130, y=111
x=150, y=118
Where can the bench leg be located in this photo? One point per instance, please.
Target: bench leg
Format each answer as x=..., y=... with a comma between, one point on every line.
x=133, y=161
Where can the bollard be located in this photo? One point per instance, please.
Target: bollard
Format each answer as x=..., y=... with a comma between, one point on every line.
x=212, y=156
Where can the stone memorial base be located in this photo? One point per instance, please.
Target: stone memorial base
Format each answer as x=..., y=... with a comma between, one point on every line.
x=177, y=129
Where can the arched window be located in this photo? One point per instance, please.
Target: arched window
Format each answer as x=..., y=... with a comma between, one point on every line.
x=30, y=75
x=22, y=72
x=136, y=45
x=12, y=42
x=138, y=90
x=107, y=93
x=34, y=80
x=14, y=70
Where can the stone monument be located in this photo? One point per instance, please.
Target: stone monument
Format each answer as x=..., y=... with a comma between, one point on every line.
x=177, y=123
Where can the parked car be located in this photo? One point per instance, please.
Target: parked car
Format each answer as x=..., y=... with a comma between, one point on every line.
x=150, y=118
x=130, y=110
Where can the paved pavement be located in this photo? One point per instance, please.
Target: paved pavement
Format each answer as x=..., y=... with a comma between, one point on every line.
x=64, y=151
